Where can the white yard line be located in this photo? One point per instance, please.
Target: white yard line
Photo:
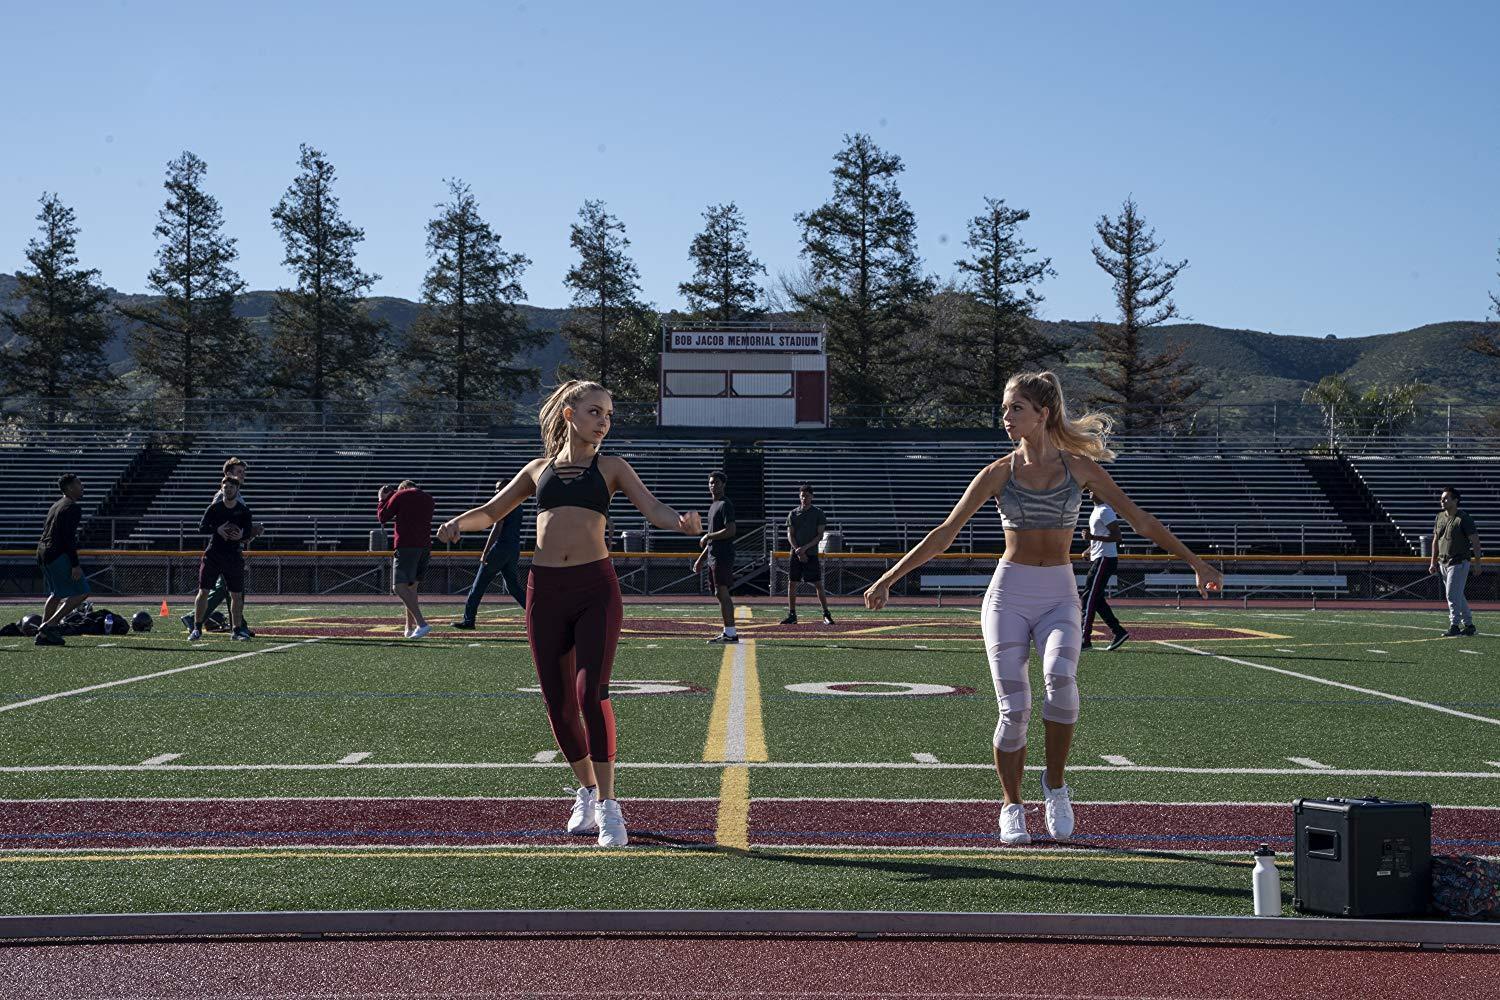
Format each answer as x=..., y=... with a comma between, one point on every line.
x=160, y=759
x=1337, y=684
x=734, y=738
x=355, y=758
x=1381, y=651
x=1309, y=762
x=1471, y=652
x=713, y=765
x=146, y=677
x=1117, y=760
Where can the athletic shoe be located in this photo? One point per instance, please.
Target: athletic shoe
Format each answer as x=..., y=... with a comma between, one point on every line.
x=187, y=622
x=195, y=634
x=240, y=634
x=583, y=821
x=463, y=625
x=1013, y=824
x=828, y=619
x=49, y=637
x=420, y=631
x=1119, y=641
x=721, y=637
x=249, y=632
x=790, y=619
x=1469, y=629
x=1059, y=811
x=1453, y=630
x=611, y=824
x=1086, y=644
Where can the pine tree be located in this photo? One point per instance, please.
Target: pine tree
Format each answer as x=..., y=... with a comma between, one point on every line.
x=868, y=286
x=1483, y=342
x=325, y=344
x=63, y=328
x=996, y=333
x=723, y=286
x=467, y=342
x=189, y=340
x=608, y=332
x=1146, y=390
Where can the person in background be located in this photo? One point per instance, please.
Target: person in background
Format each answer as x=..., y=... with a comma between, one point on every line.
x=227, y=522
x=57, y=554
x=1456, y=547
x=501, y=557
x=1104, y=559
x=718, y=551
x=411, y=510
x=804, y=530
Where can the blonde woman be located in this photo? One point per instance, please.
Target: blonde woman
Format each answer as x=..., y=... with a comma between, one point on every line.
x=1032, y=598
x=573, y=605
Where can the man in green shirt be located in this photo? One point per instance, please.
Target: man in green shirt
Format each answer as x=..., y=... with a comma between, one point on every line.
x=1455, y=546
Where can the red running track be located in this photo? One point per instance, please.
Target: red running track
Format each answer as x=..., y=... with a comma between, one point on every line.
x=150, y=823
x=781, y=968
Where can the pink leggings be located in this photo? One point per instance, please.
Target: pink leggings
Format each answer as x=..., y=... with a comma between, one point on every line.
x=1028, y=605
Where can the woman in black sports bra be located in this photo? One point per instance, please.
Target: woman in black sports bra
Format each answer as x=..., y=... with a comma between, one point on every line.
x=573, y=605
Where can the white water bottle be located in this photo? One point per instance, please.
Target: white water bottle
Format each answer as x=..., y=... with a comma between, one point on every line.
x=1266, y=883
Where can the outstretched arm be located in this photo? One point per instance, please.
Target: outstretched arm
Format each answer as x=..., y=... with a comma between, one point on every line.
x=1094, y=478
x=502, y=503
x=623, y=478
x=987, y=484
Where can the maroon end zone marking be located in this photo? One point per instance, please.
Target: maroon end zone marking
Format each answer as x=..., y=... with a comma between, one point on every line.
x=1123, y=826
x=143, y=823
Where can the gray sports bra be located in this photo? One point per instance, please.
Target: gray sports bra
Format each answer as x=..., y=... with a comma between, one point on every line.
x=1022, y=509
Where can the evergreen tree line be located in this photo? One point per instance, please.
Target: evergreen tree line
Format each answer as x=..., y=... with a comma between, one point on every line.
x=898, y=339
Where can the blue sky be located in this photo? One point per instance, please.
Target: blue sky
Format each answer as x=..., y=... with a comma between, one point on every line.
x=1327, y=168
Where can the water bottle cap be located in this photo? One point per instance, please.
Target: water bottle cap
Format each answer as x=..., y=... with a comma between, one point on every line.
x=1264, y=851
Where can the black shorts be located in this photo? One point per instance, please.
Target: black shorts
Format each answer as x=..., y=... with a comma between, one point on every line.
x=719, y=577
x=231, y=568
x=409, y=565
x=810, y=571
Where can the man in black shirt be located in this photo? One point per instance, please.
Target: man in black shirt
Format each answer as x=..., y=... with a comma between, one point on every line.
x=227, y=522
x=718, y=551
x=57, y=554
x=804, y=529
x=236, y=469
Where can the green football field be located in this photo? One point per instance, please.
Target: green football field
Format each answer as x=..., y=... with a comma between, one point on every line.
x=330, y=764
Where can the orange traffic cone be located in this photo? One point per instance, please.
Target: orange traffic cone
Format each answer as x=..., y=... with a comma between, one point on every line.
x=166, y=612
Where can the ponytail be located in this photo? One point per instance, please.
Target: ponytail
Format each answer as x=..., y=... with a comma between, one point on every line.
x=554, y=425
x=1087, y=435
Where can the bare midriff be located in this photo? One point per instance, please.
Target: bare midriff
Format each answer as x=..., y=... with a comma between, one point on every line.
x=569, y=536
x=1039, y=547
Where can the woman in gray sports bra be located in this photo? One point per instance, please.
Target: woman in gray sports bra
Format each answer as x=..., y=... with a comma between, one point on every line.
x=1032, y=598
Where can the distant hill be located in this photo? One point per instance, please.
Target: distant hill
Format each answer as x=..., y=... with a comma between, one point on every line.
x=1239, y=366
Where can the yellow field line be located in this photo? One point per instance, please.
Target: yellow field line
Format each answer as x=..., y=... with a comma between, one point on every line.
x=733, y=827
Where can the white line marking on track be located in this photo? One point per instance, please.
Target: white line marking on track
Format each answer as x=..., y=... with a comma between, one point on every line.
x=146, y=677
x=160, y=759
x=1117, y=760
x=1337, y=684
x=547, y=756
x=1286, y=651
x=106, y=645
x=1382, y=651
x=355, y=758
x=1309, y=762
x=1471, y=652
x=924, y=758
x=475, y=645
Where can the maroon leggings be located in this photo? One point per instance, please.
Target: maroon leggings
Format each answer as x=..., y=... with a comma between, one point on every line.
x=573, y=616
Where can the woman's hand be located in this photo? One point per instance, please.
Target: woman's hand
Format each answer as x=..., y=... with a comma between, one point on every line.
x=448, y=531
x=1210, y=580
x=690, y=523
x=877, y=595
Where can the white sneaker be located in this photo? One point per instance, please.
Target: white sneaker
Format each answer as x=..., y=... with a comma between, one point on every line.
x=419, y=631
x=1059, y=811
x=582, y=822
x=1013, y=824
x=611, y=824
x=405, y=632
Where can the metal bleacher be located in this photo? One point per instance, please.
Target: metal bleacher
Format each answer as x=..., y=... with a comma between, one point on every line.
x=1406, y=488
x=318, y=490
x=886, y=495
x=31, y=464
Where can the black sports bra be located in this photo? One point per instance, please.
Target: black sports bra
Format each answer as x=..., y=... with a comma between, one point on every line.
x=587, y=489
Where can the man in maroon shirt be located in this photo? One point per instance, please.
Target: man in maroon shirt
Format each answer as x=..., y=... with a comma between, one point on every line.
x=411, y=508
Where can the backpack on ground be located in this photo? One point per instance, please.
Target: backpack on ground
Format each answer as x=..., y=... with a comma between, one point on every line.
x=1465, y=887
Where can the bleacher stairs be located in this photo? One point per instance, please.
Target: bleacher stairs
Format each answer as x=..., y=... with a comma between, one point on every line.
x=130, y=497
